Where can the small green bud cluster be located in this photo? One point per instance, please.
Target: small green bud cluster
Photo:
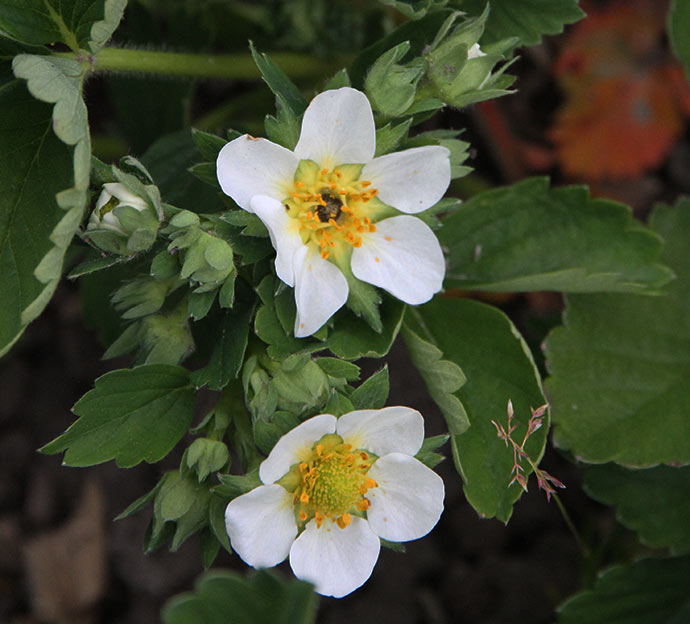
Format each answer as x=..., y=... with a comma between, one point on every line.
x=454, y=70
x=128, y=211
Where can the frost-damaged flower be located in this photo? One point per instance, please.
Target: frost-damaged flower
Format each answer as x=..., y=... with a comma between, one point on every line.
x=113, y=195
x=332, y=488
x=329, y=207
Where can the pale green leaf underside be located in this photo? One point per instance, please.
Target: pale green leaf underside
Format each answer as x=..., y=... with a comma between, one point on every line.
x=526, y=19
x=654, y=502
x=132, y=415
x=650, y=591
x=483, y=342
x=632, y=354
x=530, y=237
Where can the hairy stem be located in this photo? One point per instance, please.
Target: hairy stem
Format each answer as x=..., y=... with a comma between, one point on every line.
x=221, y=66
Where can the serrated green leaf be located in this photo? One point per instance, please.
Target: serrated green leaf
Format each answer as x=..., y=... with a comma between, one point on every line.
x=442, y=377
x=130, y=416
x=630, y=354
x=483, y=342
x=526, y=19
x=373, y=392
x=650, y=591
x=530, y=237
x=389, y=137
x=284, y=128
x=679, y=31
x=221, y=597
x=28, y=210
x=278, y=82
x=654, y=502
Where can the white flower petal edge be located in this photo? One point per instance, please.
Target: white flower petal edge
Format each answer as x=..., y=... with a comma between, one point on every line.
x=408, y=501
x=120, y=192
x=248, y=166
x=261, y=525
x=388, y=430
x=284, y=233
x=336, y=560
x=320, y=290
x=338, y=128
x=412, y=180
x=403, y=257
x=294, y=446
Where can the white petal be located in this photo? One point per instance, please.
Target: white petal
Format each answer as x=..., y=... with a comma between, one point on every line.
x=388, y=430
x=412, y=180
x=338, y=128
x=320, y=290
x=249, y=166
x=475, y=52
x=403, y=257
x=261, y=525
x=284, y=233
x=336, y=560
x=408, y=501
x=120, y=192
x=294, y=446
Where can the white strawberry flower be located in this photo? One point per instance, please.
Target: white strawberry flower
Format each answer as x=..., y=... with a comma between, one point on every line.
x=332, y=487
x=330, y=206
x=113, y=195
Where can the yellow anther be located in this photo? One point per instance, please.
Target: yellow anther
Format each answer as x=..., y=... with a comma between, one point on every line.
x=377, y=259
x=344, y=520
x=303, y=515
x=304, y=497
x=324, y=254
x=388, y=238
x=303, y=467
x=370, y=483
x=364, y=455
x=364, y=504
x=372, y=228
x=365, y=183
x=319, y=449
x=324, y=172
x=299, y=184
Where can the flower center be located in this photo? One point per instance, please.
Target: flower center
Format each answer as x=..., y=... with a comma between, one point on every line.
x=331, y=205
x=332, y=482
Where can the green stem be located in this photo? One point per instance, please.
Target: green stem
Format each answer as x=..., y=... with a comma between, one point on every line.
x=222, y=66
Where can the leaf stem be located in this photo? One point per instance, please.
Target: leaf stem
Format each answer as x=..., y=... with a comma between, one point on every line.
x=238, y=66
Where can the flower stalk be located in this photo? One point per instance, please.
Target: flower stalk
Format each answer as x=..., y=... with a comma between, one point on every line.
x=237, y=66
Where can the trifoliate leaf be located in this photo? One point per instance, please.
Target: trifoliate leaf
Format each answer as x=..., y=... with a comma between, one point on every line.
x=131, y=415
x=530, y=237
x=630, y=353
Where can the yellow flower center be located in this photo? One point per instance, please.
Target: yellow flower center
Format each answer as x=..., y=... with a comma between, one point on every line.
x=331, y=482
x=331, y=205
